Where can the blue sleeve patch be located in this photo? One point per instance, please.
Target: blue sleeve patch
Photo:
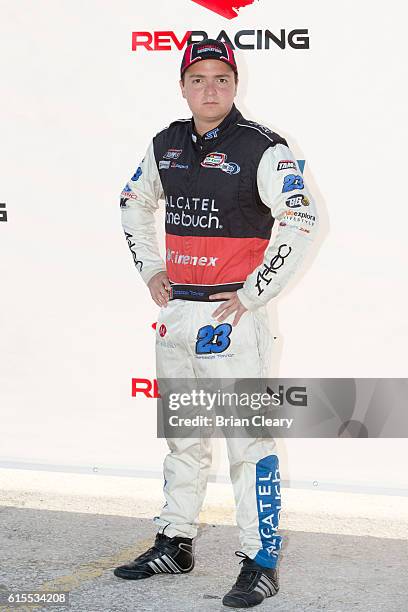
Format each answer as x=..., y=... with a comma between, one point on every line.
x=137, y=174
x=292, y=182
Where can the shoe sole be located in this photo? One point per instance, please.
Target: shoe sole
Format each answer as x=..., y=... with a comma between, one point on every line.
x=234, y=605
x=128, y=576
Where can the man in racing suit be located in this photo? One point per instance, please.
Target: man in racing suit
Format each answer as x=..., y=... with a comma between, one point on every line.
x=225, y=181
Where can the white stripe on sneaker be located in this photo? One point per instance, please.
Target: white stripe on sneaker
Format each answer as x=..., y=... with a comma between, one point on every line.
x=153, y=566
x=269, y=583
x=260, y=590
x=171, y=563
x=162, y=565
x=265, y=586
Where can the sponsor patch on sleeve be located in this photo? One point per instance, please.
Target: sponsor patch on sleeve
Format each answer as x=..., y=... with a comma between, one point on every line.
x=137, y=174
x=296, y=201
x=286, y=164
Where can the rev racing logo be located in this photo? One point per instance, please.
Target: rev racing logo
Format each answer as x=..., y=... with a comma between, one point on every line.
x=244, y=40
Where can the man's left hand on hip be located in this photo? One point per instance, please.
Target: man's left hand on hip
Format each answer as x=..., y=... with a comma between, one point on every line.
x=232, y=304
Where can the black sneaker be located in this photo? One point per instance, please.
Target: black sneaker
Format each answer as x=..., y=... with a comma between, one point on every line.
x=167, y=556
x=253, y=584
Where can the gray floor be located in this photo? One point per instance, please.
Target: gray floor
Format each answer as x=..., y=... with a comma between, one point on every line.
x=73, y=551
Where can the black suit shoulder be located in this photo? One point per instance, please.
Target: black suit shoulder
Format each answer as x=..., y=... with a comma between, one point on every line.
x=174, y=126
x=257, y=131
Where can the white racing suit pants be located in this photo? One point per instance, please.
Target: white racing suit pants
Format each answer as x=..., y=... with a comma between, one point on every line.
x=183, y=333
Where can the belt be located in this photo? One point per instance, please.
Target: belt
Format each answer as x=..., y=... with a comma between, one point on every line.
x=201, y=293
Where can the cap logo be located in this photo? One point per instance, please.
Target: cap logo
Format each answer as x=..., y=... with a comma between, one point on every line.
x=206, y=48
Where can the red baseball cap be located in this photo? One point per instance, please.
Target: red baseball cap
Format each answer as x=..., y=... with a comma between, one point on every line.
x=208, y=49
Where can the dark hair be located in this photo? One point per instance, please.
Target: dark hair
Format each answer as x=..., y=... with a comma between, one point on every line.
x=235, y=78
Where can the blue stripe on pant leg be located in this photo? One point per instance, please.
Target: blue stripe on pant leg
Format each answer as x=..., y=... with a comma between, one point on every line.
x=268, y=500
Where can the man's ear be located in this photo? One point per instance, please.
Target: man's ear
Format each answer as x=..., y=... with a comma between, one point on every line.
x=182, y=88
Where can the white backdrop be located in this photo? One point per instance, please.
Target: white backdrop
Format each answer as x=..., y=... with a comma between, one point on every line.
x=78, y=108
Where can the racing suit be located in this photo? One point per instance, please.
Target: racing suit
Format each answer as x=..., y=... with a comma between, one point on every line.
x=223, y=192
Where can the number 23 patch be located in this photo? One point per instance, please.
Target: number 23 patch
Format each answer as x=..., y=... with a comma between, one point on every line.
x=292, y=182
x=213, y=339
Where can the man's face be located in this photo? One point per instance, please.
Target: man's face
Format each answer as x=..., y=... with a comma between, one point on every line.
x=209, y=88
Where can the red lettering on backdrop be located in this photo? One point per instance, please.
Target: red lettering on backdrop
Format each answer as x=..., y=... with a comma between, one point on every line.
x=142, y=43
x=180, y=43
x=225, y=8
x=160, y=40
x=144, y=385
